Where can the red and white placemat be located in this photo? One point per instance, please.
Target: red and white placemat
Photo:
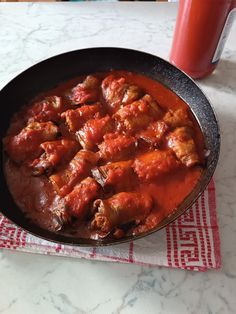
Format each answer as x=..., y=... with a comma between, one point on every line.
x=191, y=242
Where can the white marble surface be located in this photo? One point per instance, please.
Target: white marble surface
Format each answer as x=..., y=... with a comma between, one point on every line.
x=37, y=284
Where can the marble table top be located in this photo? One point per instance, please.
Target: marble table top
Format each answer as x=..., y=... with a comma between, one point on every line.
x=36, y=284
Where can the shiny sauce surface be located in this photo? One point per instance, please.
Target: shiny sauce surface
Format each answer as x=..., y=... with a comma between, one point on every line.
x=39, y=200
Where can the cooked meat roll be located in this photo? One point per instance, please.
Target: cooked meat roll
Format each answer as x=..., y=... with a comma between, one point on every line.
x=183, y=145
x=78, y=169
x=177, y=118
x=117, y=174
x=154, y=134
x=93, y=131
x=116, y=147
x=118, y=93
x=137, y=115
x=25, y=146
x=48, y=109
x=153, y=164
x=121, y=209
x=86, y=92
x=77, y=202
x=54, y=153
x=76, y=118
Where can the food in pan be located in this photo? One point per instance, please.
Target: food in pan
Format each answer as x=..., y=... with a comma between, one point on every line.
x=26, y=144
x=120, y=175
x=137, y=115
x=121, y=209
x=91, y=134
x=77, y=169
x=104, y=155
x=118, y=93
x=154, y=164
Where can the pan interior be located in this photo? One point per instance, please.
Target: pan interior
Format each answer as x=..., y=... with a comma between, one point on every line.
x=49, y=73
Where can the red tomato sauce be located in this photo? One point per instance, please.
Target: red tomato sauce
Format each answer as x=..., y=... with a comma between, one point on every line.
x=37, y=197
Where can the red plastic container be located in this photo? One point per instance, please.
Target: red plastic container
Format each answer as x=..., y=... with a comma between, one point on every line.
x=201, y=30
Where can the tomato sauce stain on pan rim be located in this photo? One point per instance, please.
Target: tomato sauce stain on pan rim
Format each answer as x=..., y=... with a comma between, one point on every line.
x=50, y=72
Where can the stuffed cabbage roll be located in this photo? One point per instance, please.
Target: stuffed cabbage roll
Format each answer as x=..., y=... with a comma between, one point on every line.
x=183, y=145
x=120, y=209
x=78, y=169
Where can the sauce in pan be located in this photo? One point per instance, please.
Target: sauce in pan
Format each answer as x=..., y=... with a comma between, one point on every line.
x=109, y=154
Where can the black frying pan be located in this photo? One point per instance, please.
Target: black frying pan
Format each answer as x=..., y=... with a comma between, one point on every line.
x=47, y=74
